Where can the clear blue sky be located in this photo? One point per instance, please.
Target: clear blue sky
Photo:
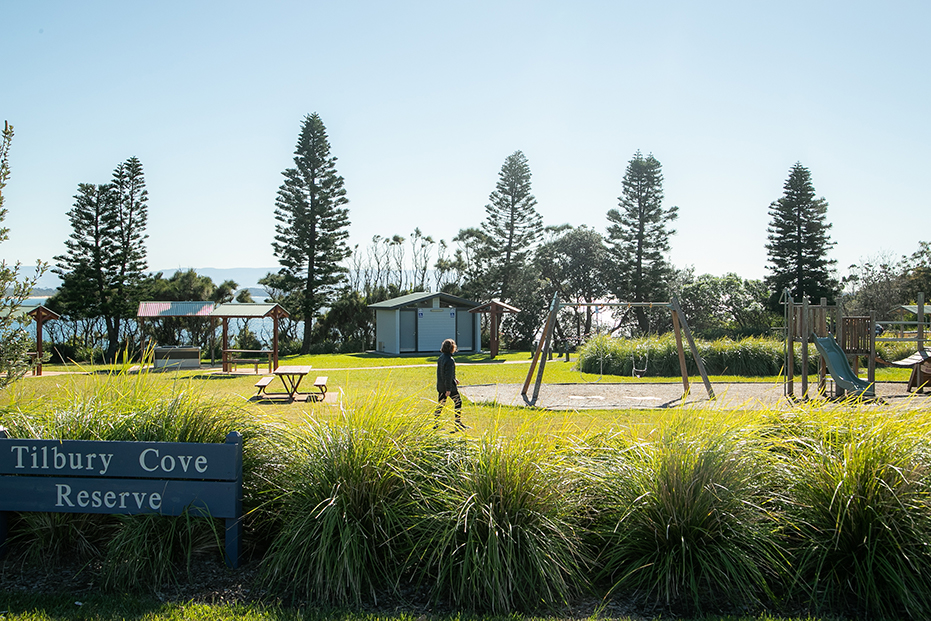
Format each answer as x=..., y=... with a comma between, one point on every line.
x=423, y=101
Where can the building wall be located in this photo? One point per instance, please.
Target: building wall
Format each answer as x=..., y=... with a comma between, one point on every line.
x=387, y=331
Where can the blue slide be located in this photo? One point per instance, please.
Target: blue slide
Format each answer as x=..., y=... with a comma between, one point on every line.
x=840, y=369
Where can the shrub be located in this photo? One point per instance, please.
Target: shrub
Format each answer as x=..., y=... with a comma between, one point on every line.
x=861, y=518
x=657, y=356
x=501, y=531
x=349, y=503
x=683, y=519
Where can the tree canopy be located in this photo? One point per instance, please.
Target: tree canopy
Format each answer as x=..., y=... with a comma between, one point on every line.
x=799, y=243
x=14, y=340
x=104, y=264
x=312, y=228
x=512, y=224
x=638, y=235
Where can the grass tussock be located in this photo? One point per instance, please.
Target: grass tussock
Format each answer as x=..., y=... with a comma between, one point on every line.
x=859, y=515
x=348, y=502
x=684, y=517
x=502, y=529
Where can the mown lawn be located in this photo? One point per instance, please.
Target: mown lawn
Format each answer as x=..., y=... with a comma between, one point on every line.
x=352, y=379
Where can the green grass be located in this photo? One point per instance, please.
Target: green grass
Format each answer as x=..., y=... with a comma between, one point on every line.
x=814, y=508
x=96, y=607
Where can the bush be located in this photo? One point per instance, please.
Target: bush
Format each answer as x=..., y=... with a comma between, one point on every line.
x=349, y=504
x=683, y=519
x=860, y=519
x=502, y=530
x=657, y=356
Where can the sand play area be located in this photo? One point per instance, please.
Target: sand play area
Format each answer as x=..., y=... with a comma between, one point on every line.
x=606, y=395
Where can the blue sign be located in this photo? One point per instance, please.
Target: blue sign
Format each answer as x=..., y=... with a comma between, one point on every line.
x=85, y=476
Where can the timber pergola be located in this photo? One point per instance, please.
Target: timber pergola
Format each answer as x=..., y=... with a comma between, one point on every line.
x=679, y=325
x=40, y=314
x=495, y=309
x=225, y=312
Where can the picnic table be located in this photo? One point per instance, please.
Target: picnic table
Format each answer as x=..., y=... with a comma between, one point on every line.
x=232, y=357
x=291, y=377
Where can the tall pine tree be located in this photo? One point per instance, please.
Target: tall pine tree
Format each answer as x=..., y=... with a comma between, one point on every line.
x=104, y=264
x=799, y=242
x=639, y=237
x=512, y=224
x=312, y=228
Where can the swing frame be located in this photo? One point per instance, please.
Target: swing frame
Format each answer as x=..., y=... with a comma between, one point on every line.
x=679, y=324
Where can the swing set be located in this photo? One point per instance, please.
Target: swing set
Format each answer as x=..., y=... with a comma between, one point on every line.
x=680, y=328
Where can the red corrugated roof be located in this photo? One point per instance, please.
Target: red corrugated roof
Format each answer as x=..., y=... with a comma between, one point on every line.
x=174, y=309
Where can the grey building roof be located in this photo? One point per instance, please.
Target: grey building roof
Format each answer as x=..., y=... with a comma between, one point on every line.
x=416, y=299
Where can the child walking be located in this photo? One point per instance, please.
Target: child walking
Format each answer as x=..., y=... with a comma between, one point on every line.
x=447, y=385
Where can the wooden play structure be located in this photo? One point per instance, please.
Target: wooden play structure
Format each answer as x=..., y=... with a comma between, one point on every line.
x=805, y=322
x=900, y=331
x=680, y=328
x=855, y=336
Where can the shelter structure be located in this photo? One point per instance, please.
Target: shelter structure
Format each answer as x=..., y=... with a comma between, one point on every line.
x=495, y=309
x=180, y=357
x=40, y=314
x=225, y=312
x=420, y=322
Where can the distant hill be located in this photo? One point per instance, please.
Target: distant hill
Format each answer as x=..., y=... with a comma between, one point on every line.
x=245, y=277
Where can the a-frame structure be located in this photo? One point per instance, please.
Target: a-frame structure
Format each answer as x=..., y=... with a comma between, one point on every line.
x=679, y=324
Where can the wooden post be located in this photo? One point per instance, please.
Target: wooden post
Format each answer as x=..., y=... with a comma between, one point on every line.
x=682, y=366
x=790, y=347
x=822, y=330
x=805, y=338
x=234, y=526
x=226, y=366
x=919, y=379
x=493, y=345
x=39, y=320
x=871, y=373
x=554, y=309
x=275, y=341
x=688, y=336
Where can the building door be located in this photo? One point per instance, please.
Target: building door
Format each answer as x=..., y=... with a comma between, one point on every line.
x=465, y=330
x=435, y=325
x=408, y=320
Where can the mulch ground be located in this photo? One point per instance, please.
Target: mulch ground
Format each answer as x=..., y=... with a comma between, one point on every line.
x=731, y=395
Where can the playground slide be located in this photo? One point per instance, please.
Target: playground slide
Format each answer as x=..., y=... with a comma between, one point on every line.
x=839, y=367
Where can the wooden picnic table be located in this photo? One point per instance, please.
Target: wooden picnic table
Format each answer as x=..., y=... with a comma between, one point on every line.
x=233, y=356
x=291, y=376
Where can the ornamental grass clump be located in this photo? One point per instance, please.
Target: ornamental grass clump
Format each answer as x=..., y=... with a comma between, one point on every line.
x=860, y=515
x=501, y=530
x=125, y=407
x=349, y=502
x=684, y=518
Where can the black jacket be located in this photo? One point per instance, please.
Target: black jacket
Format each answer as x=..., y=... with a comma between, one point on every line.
x=446, y=374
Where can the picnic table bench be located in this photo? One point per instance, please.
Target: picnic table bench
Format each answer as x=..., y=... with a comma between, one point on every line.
x=291, y=377
x=232, y=357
